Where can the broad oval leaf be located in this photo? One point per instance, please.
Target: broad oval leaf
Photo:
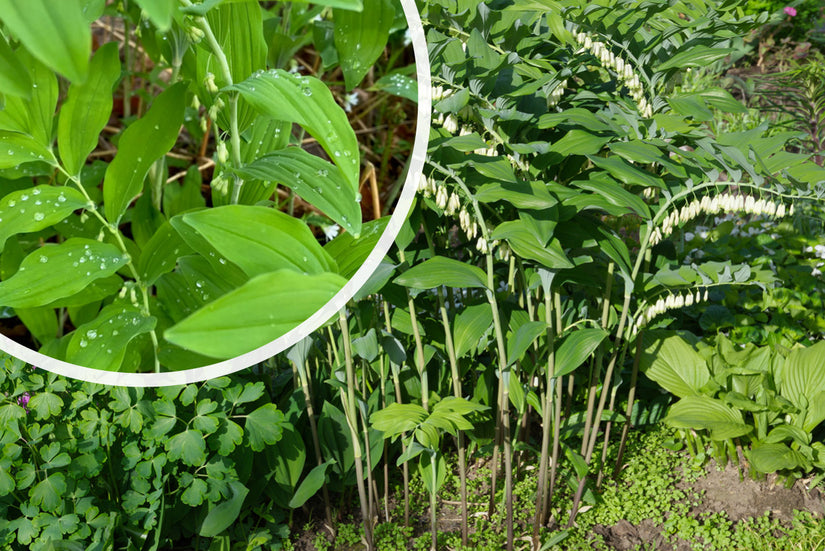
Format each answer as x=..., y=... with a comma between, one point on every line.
x=803, y=382
x=470, y=326
x=161, y=253
x=87, y=109
x=350, y=252
x=441, y=270
x=56, y=33
x=306, y=101
x=259, y=239
x=310, y=485
x=675, y=365
x=315, y=180
x=524, y=336
x=258, y=312
x=101, y=343
x=55, y=271
x=225, y=514
x=769, y=458
x=701, y=412
x=37, y=208
x=140, y=145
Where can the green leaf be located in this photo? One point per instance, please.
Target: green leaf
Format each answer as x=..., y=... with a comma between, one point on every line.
x=48, y=493
x=579, y=142
x=433, y=471
x=188, y=446
x=310, y=485
x=19, y=148
x=626, y=172
x=260, y=311
x=398, y=85
x=675, y=365
x=470, y=326
x=769, y=458
x=87, y=109
x=55, y=271
x=306, y=101
x=315, y=180
x=101, y=343
x=195, y=493
x=526, y=244
x=524, y=337
x=441, y=270
x=803, y=382
x=695, y=56
x=522, y=195
x=361, y=36
x=350, y=252
x=45, y=404
x=56, y=33
x=575, y=348
x=225, y=514
x=34, y=209
x=615, y=194
x=701, y=412
x=14, y=78
x=142, y=143
x=264, y=426
x=159, y=12
x=161, y=253
x=259, y=239
x=398, y=418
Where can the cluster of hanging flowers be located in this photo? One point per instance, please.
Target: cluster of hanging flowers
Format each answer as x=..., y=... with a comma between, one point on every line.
x=556, y=94
x=725, y=202
x=449, y=202
x=622, y=68
x=670, y=302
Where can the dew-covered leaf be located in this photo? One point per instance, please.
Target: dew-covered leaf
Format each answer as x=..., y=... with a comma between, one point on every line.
x=315, y=180
x=54, y=271
x=37, y=208
x=101, y=343
x=306, y=101
x=18, y=148
x=87, y=109
x=141, y=144
x=259, y=239
x=361, y=36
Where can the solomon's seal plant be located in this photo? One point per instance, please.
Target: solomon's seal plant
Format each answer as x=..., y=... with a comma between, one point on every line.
x=161, y=258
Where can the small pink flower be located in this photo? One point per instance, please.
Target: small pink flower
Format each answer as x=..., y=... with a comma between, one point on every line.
x=790, y=11
x=23, y=400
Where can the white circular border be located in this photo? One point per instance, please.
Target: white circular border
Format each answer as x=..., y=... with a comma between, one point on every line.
x=339, y=301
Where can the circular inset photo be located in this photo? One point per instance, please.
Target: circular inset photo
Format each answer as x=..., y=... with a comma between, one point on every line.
x=188, y=188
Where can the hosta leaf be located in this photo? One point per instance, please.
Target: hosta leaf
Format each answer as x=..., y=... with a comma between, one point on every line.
x=101, y=343
x=315, y=180
x=56, y=271
x=37, y=208
x=675, y=365
x=48, y=493
x=803, y=382
x=769, y=458
x=21, y=148
x=224, y=514
x=54, y=32
x=14, y=79
x=361, y=36
x=87, y=109
x=259, y=239
x=141, y=144
x=701, y=412
x=264, y=426
x=441, y=270
x=307, y=101
x=255, y=314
